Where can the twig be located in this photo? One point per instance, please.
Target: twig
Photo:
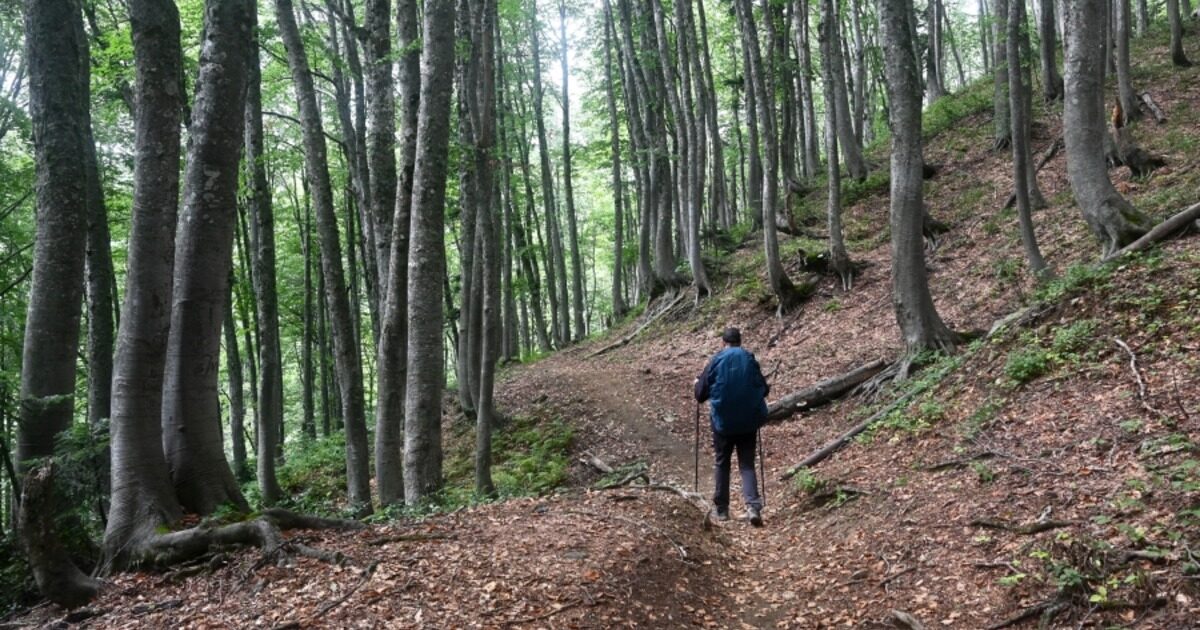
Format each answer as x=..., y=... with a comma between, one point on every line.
x=367, y=573
x=888, y=580
x=1137, y=374
x=631, y=336
x=409, y=538
x=545, y=615
x=1049, y=607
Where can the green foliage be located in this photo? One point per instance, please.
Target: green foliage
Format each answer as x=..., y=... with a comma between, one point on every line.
x=16, y=579
x=1034, y=358
x=808, y=482
x=1076, y=279
x=531, y=458
x=983, y=472
x=81, y=481
x=1026, y=364
x=946, y=112
x=854, y=191
x=313, y=477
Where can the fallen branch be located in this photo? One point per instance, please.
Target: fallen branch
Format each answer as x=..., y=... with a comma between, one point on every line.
x=409, y=538
x=842, y=440
x=1048, y=609
x=889, y=579
x=1035, y=527
x=1137, y=374
x=1161, y=232
x=823, y=392
x=631, y=336
x=960, y=463
x=546, y=615
x=1154, y=109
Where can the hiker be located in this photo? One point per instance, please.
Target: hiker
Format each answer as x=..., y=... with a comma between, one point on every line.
x=734, y=382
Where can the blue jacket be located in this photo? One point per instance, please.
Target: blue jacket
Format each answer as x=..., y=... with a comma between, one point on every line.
x=734, y=382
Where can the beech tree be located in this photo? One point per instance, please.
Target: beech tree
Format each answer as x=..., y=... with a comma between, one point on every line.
x=921, y=327
x=1112, y=219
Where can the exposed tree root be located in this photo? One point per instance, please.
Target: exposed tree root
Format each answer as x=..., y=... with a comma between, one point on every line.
x=823, y=392
x=903, y=620
x=1172, y=227
x=641, y=327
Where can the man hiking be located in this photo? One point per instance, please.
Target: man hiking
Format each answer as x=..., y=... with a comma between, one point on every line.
x=734, y=382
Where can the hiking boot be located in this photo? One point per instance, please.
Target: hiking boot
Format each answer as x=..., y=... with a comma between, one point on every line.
x=754, y=515
x=721, y=514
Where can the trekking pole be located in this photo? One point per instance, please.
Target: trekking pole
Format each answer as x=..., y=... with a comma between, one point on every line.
x=696, y=450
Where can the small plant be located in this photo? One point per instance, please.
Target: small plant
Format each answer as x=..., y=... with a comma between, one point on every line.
x=1027, y=364
x=1131, y=426
x=808, y=482
x=832, y=306
x=1073, y=338
x=983, y=472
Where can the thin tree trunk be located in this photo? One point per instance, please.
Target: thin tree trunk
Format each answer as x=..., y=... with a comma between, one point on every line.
x=839, y=260
x=100, y=297
x=348, y=361
x=237, y=403
x=569, y=189
x=1001, y=117
x=262, y=224
x=811, y=152
x=855, y=165
x=427, y=264
x=1020, y=140
x=1143, y=18
x=1125, y=93
x=1052, y=82
x=618, y=300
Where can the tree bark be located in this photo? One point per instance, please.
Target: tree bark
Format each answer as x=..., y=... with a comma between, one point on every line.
x=346, y=353
x=1112, y=219
x=781, y=285
x=262, y=236
x=921, y=327
x=142, y=496
x=618, y=299
x=1020, y=141
x=192, y=437
x=100, y=283
x=426, y=261
x=1178, y=56
x=1125, y=93
x=381, y=129
x=580, y=328
x=237, y=403
x=811, y=153
x=1052, y=82
x=56, y=51
x=839, y=260
x=1001, y=117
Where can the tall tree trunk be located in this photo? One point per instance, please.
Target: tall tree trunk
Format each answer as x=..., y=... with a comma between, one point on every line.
x=1001, y=117
x=308, y=424
x=855, y=165
x=1143, y=17
x=719, y=195
x=427, y=261
x=392, y=360
x=985, y=43
x=348, y=361
x=921, y=327
x=56, y=51
x=191, y=416
x=569, y=188
x=781, y=285
x=1125, y=93
x=142, y=496
x=1017, y=88
x=934, y=86
x=381, y=129
x=1112, y=219
x=754, y=175
x=618, y=299
x=839, y=260
x=812, y=157
x=262, y=236
x=1052, y=82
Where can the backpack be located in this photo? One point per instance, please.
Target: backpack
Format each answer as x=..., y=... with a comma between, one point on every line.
x=737, y=393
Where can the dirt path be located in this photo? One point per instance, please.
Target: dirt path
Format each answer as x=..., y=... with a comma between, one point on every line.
x=628, y=413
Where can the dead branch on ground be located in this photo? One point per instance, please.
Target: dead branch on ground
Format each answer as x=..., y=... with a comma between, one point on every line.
x=842, y=440
x=1028, y=529
x=650, y=320
x=1152, y=107
x=1169, y=228
x=902, y=620
x=823, y=392
x=1137, y=374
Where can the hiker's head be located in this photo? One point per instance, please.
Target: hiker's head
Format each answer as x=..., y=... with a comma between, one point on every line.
x=732, y=337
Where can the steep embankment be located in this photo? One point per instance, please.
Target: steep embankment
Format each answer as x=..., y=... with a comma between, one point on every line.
x=1040, y=469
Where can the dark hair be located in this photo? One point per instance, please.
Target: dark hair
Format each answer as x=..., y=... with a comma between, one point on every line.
x=732, y=336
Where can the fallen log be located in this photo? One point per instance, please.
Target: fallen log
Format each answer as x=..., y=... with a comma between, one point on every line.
x=1161, y=232
x=823, y=392
x=631, y=336
x=842, y=440
x=1028, y=529
x=1154, y=109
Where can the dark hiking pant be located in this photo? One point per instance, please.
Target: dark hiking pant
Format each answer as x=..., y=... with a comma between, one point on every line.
x=723, y=447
